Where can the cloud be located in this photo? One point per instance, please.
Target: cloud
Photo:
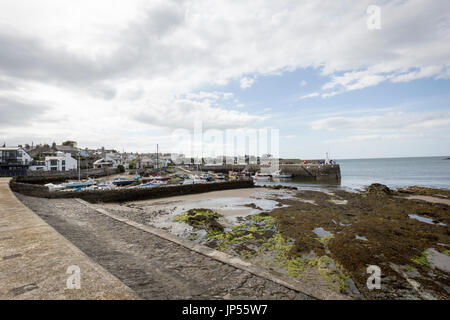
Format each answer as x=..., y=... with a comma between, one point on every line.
x=135, y=62
x=310, y=95
x=16, y=112
x=375, y=137
x=246, y=82
x=398, y=121
x=173, y=115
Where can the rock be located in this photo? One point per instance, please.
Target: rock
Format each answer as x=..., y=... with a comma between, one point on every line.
x=379, y=189
x=438, y=260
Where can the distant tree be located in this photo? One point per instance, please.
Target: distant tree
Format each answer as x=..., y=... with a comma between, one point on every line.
x=120, y=168
x=69, y=143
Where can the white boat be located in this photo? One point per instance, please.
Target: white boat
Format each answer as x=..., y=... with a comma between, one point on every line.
x=261, y=176
x=54, y=187
x=193, y=180
x=279, y=174
x=219, y=176
x=159, y=182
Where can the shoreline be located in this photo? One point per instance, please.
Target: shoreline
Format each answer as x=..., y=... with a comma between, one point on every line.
x=341, y=215
x=324, y=238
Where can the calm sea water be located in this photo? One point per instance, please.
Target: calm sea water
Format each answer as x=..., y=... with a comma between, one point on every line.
x=394, y=172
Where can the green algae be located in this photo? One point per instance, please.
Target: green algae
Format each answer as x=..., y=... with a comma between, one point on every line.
x=257, y=235
x=421, y=260
x=201, y=219
x=193, y=214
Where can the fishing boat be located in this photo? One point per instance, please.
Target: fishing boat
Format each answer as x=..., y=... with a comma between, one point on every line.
x=279, y=174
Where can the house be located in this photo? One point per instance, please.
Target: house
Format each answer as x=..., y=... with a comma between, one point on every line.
x=103, y=163
x=59, y=161
x=14, y=161
x=146, y=162
x=112, y=160
x=66, y=149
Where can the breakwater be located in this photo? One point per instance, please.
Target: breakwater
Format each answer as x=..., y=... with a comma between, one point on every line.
x=124, y=194
x=306, y=171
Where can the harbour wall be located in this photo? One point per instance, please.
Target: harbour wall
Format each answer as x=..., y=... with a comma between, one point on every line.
x=304, y=171
x=126, y=194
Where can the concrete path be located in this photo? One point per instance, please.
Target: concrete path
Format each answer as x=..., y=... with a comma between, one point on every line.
x=152, y=266
x=34, y=260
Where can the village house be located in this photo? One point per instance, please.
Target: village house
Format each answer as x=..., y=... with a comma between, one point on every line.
x=14, y=161
x=59, y=161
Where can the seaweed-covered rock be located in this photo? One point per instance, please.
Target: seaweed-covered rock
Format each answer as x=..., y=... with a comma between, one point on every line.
x=202, y=219
x=379, y=189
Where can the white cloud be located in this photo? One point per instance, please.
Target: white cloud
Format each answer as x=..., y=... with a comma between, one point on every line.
x=398, y=121
x=310, y=95
x=375, y=137
x=246, y=82
x=111, y=60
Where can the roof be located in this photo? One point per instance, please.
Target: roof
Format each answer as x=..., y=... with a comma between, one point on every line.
x=9, y=148
x=54, y=158
x=66, y=148
x=102, y=161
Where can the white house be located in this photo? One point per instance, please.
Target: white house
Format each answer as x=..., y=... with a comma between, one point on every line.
x=14, y=161
x=111, y=160
x=14, y=155
x=59, y=162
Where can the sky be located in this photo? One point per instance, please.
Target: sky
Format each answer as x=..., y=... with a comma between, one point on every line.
x=326, y=76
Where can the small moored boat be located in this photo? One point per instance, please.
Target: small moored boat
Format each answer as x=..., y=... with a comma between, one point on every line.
x=279, y=174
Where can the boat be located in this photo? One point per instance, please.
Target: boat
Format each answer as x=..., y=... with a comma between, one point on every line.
x=194, y=180
x=155, y=178
x=106, y=186
x=219, y=176
x=279, y=174
x=206, y=177
x=122, y=182
x=79, y=184
x=54, y=187
x=259, y=176
x=145, y=185
x=158, y=182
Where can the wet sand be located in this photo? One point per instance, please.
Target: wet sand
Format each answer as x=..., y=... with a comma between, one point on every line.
x=430, y=199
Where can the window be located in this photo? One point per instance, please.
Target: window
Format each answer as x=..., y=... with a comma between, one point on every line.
x=63, y=168
x=64, y=162
x=53, y=162
x=54, y=168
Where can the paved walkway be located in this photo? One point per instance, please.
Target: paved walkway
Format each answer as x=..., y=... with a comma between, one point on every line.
x=155, y=268
x=34, y=259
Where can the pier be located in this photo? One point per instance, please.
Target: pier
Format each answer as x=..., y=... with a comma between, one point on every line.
x=311, y=171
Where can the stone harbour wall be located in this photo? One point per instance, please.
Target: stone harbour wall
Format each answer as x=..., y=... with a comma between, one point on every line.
x=126, y=194
x=306, y=171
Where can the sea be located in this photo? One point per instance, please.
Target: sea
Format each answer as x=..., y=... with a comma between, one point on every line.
x=357, y=174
